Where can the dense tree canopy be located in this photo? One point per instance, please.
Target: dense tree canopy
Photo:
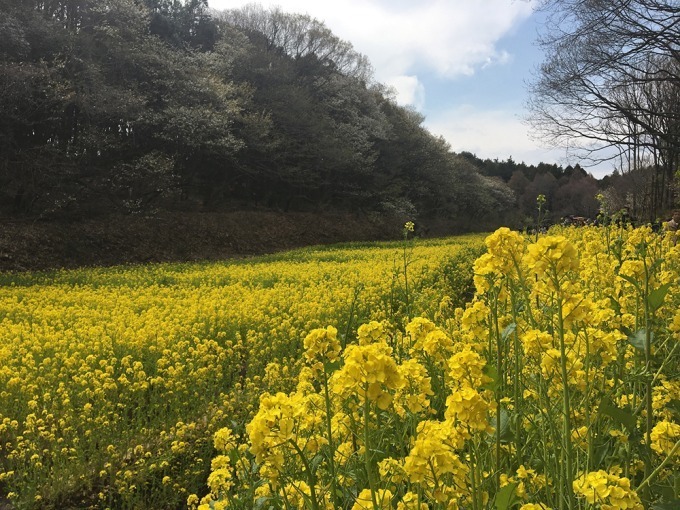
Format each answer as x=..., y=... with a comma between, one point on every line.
x=130, y=106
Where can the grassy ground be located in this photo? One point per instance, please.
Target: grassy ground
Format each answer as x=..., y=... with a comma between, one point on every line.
x=173, y=237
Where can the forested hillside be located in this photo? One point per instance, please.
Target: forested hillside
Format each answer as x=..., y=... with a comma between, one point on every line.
x=129, y=106
x=166, y=106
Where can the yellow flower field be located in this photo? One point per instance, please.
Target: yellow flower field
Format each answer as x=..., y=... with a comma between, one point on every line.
x=555, y=387
x=510, y=372
x=113, y=380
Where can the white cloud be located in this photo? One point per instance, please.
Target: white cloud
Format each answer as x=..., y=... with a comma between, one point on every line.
x=409, y=90
x=400, y=38
x=499, y=134
x=490, y=134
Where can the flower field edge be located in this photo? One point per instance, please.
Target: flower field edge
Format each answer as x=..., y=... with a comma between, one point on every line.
x=554, y=387
x=113, y=381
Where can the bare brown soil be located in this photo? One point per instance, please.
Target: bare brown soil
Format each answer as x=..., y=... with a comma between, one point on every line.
x=34, y=245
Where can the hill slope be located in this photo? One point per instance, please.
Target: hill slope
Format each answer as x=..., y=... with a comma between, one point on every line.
x=28, y=245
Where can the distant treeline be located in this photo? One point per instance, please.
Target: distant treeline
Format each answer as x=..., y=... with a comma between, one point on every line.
x=130, y=106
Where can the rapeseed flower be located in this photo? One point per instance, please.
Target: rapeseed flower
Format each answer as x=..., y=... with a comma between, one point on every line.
x=485, y=273
x=392, y=470
x=433, y=455
x=553, y=256
x=371, y=332
x=437, y=345
x=224, y=440
x=364, y=501
x=410, y=501
x=322, y=345
x=417, y=389
x=506, y=248
x=220, y=481
x=296, y=494
x=535, y=342
x=606, y=490
x=466, y=369
x=418, y=329
x=369, y=371
x=469, y=409
x=664, y=436
x=474, y=321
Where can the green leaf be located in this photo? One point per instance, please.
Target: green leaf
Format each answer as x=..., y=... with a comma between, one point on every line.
x=615, y=305
x=330, y=367
x=261, y=502
x=491, y=372
x=666, y=505
x=620, y=416
x=506, y=498
x=666, y=491
x=506, y=434
x=630, y=280
x=655, y=265
x=674, y=406
x=509, y=330
x=641, y=450
x=657, y=296
x=638, y=339
x=316, y=462
x=601, y=450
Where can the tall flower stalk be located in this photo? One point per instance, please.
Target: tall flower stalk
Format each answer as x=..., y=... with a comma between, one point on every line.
x=409, y=228
x=566, y=404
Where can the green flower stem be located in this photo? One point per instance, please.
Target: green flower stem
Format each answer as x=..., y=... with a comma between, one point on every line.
x=408, y=302
x=525, y=290
x=329, y=431
x=591, y=442
x=310, y=474
x=645, y=483
x=473, y=480
x=499, y=386
x=664, y=363
x=566, y=410
x=551, y=436
x=357, y=291
x=435, y=479
x=367, y=450
x=648, y=379
x=516, y=382
x=286, y=503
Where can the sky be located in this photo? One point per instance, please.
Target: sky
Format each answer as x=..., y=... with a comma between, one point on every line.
x=463, y=64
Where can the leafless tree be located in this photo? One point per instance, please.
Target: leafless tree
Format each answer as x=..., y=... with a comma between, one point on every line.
x=299, y=36
x=610, y=84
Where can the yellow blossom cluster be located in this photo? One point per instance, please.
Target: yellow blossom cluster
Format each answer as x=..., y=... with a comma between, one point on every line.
x=607, y=491
x=530, y=395
x=350, y=417
x=552, y=256
x=665, y=436
x=117, y=378
x=370, y=373
x=554, y=387
x=322, y=346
